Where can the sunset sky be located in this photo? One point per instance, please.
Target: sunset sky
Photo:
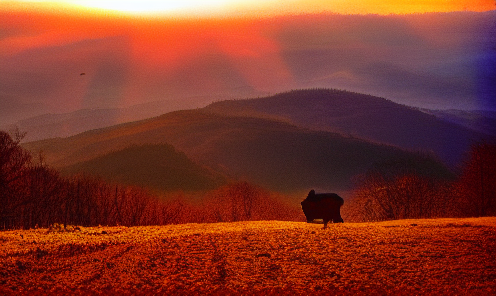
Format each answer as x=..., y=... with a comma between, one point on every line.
x=222, y=8
x=133, y=52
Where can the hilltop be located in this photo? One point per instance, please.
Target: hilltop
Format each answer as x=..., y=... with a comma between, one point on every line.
x=402, y=257
x=277, y=155
x=362, y=116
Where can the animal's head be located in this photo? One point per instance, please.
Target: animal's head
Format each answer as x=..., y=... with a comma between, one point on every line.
x=308, y=207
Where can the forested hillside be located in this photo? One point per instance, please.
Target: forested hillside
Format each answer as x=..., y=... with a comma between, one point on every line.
x=157, y=167
x=363, y=116
x=33, y=194
x=272, y=154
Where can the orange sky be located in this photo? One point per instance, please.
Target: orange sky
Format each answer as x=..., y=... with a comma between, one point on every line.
x=222, y=8
x=56, y=22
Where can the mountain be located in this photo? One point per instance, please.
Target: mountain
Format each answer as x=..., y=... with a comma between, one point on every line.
x=363, y=116
x=273, y=154
x=158, y=167
x=68, y=124
x=482, y=121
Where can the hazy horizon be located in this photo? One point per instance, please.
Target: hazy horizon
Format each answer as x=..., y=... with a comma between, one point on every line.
x=62, y=61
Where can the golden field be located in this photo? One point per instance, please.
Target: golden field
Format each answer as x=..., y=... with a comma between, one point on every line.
x=421, y=257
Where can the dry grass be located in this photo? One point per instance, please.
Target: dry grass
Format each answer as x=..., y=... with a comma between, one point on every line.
x=431, y=256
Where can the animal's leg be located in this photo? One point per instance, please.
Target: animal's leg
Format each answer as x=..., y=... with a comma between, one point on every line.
x=336, y=217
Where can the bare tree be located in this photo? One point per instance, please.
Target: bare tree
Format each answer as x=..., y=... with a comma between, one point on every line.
x=477, y=184
x=379, y=198
x=13, y=166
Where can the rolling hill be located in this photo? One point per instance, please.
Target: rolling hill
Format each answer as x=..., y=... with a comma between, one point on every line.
x=478, y=120
x=362, y=116
x=54, y=125
x=158, y=167
x=273, y=154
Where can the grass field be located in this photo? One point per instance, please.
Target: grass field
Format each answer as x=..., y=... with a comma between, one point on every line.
x=421, y=257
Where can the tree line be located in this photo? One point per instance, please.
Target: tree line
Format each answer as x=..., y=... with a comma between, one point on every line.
x=394, y=194
x=35, y=195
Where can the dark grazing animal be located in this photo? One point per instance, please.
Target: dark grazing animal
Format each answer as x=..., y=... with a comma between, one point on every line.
x=324, y=206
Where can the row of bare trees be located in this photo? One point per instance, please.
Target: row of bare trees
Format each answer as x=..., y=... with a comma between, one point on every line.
x=384, y=196
x=243, y=201
x=41, y=197
x=34, y=195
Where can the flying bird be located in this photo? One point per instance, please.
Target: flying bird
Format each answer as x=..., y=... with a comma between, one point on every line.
x=82, y=74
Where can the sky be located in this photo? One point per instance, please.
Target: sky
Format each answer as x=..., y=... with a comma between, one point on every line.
x=221, y=8
x=62, y=56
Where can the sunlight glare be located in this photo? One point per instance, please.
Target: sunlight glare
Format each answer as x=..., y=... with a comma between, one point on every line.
x=217, y=8
x=200, y=7
x=150, y=6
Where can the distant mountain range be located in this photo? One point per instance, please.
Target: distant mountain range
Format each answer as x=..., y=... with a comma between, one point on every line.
x=288, y=142
x=69, y=124
x=481, y=121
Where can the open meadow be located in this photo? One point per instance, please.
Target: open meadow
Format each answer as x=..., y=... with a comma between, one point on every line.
x=421, y=257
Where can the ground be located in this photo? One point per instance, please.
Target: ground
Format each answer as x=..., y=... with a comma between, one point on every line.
x=428, y=256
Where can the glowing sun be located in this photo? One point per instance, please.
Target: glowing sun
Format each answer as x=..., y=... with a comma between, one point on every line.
x=149, y=6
